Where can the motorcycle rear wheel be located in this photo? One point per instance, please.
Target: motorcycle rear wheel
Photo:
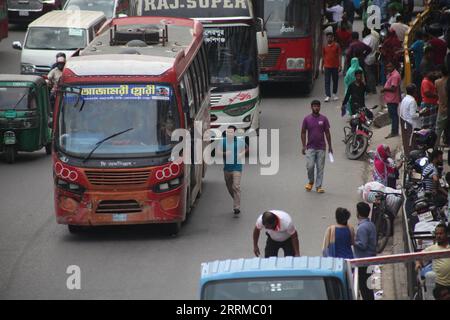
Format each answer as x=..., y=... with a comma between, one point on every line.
x=356, y=147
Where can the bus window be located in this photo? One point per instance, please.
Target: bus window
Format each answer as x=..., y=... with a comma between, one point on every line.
x=199, y=79
x=195, y=88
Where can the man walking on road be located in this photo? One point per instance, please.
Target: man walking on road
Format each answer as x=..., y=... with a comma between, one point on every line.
x=331, y=65
x=392, y=97
x=234, y=150
x=281, y=234
x=365, y=246
x=317, y=127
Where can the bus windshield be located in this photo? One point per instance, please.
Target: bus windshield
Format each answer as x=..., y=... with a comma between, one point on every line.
x=231, y=53
x=146, y=114
x=287, y=18
x=56, y=38
x=106, y=6
x=316, y=288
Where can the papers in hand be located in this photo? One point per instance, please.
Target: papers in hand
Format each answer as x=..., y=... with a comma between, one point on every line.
x=330, y=155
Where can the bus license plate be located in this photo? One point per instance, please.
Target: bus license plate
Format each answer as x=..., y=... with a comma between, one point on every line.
x=24, y=13
x=263, y=77
x=119, y=217
x=427, y=216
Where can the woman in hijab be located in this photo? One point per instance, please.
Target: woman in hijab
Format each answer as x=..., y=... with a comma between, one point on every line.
x=350, y=77
x=384, y=168
x=391, y=48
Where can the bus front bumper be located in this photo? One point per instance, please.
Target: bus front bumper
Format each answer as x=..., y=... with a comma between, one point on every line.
x=120, y=208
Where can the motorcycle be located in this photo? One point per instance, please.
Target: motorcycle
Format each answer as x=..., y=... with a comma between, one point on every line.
x=358, y=135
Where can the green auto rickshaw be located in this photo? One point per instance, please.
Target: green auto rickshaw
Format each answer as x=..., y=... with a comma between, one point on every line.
x=25, y=115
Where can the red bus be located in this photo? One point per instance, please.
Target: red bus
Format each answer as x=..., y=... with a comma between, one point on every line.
x=120, y=101
x=294, y=28
x=3, y=19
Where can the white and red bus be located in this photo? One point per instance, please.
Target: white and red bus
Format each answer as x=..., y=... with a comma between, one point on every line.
x=294, y=28
x=3, y=19
x=120, y=101
x=230, y=34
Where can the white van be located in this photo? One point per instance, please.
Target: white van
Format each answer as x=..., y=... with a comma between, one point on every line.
x=111, y=8
x=57, y=31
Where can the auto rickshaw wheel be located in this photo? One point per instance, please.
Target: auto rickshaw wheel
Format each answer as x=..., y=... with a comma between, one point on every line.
x=48, y=148
x=10, y=154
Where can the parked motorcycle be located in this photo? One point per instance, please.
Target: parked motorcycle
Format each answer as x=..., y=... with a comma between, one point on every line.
x=358, y=135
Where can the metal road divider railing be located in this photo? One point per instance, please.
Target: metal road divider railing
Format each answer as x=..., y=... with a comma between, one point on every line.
x=409, y=39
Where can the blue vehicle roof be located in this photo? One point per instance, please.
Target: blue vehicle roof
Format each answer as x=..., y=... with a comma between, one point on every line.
x=273, y=267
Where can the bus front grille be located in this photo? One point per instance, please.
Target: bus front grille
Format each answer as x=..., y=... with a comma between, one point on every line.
x=271, y=60
x=117, y=178
x=118, y=207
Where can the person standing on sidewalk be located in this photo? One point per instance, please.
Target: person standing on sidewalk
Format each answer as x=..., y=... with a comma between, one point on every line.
x=428, y=107
x=234, y=150
x=365, y=246
x=372, y=39
x=409, y=117
x=441, y=122
x=281, y=234
x=317, y=126
x=331, y=65
x=441, y=267
x=391, y=92
x=339, y=237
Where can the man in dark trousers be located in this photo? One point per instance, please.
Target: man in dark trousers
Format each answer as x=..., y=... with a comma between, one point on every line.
x=357, y=92
x=365, y=246
x=281, y=234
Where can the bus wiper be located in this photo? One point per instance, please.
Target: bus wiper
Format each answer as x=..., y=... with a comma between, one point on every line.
x=98, y=144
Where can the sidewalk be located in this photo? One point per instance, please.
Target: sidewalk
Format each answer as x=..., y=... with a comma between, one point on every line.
x=394, y=276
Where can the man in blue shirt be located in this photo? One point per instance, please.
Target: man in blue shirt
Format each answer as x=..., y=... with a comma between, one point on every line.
x=234, y=150
x=365, y=246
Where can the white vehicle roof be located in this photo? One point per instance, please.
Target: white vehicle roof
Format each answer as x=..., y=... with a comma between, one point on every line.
x=68, y=19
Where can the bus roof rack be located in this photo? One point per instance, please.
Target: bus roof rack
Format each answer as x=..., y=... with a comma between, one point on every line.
x=148, y=34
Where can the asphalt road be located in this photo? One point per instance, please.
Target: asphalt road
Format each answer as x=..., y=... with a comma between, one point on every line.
x=141, y=262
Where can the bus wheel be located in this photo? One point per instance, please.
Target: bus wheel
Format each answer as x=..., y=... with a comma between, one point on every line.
x=74, y=229
x=174, y=228
x=48, y=148
x=10, y=154
x=308, y=87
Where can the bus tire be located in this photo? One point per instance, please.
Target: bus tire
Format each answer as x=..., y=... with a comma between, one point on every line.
x=74, y=229
x=174, y=228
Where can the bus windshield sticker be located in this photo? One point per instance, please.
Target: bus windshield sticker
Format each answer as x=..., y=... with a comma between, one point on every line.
x=75, y=32
x=126, y=92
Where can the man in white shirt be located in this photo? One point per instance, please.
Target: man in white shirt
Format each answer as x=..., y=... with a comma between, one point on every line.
x=400, y=28
x=281, y=234
x=372, y=39
x=336, y=10
x=409, y=117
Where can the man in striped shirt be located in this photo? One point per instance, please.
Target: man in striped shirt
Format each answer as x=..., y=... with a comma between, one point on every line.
x=431, y=177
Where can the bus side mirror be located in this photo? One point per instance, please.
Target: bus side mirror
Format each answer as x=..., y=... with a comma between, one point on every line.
x=17, y=45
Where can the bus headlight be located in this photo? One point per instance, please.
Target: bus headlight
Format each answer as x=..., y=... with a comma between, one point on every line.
x=69, y=186
x=168, y=185
x=295, y=63
x=27, y=68
x=239, y=110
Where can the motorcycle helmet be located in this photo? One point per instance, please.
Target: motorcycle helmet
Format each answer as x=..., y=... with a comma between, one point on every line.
x=415, y=155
